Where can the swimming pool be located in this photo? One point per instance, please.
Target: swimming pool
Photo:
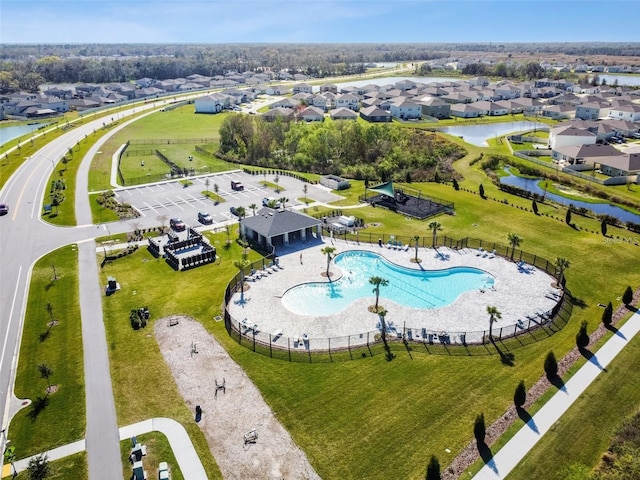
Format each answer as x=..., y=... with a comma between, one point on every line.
x=411, y=287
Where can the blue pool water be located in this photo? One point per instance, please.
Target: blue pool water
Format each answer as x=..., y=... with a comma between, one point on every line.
x=411, y=287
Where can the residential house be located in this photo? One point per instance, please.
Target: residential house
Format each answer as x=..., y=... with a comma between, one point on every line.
x=278, y=112
x=288, y=102
x=320, y=101
x=329, y=87
x=558, y=112
x=623, y=165
x=375, y=114
x=583, y=157
x=347, y=100
x=588, y=111
x=489, y=108
x=630, y=112
x=567, y=135
x=277, y=90
x=435, y=107
x=343, y=114
x=214, y=103
x=464, y=110
x=405, y=109
x=311, y=114
x=148, y=92
x=302, y=88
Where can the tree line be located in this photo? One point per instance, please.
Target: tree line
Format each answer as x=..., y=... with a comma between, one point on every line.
x=345, y=148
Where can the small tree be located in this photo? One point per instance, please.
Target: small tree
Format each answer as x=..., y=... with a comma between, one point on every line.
x=603, y=228
x=276, y=179
x=494, y=315
x=455, y=184
x=241, y=265
x=328, y=251
x=551, y=365
x=561, y=264
x=481, y=191
x=479, y=428
x=45, y=372
x=417, y=239
x=39, y=468
x=627, y=297
x=534, y=206
x=378, y=282
x=567, y=217
x=607, y=315
x=582, y=337
x=434, y=227
x=207, y=182
x=514, y=241
x=216, y=189
x=433, y=469
x=520, y=395
x=253, y=207
x=305, y=189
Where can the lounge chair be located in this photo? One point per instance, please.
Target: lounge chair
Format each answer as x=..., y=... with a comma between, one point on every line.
x=406, y=247
x=479, y=252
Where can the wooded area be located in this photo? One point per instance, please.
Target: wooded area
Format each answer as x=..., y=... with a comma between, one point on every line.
x=346, y=148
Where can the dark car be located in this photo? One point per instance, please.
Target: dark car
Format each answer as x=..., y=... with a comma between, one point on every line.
x=205, y=218
x=4, y=208
x=177, y=224
x=234, y=211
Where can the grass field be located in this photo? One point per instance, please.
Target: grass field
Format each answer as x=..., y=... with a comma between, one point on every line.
x=63, y=419
x=73, y=466
x=390, y=416
x=158, y=450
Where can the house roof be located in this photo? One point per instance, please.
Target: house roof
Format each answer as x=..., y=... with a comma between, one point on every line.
x=374, y=111
x=343, y=112
x=269, y=222
x=571, y=131
x=629, y=162
x=589, y=151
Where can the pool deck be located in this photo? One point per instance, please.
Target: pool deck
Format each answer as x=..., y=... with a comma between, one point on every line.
x=517, y=294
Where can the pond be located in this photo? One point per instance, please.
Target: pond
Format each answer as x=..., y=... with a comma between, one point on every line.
x=479, y=134
x=628, y=80
x=392, y=80
x=531, y=185
x=9, y=133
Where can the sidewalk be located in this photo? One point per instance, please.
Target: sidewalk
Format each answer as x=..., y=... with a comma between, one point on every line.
x=508, y=457
x=179, y=440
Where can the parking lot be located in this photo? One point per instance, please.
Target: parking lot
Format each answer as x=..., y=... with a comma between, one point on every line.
x=158, y=202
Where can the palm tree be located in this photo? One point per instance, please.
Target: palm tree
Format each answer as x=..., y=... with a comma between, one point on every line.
x=514, y=241
x=494, y=314
x=417, y=239
x=253, y=207
x=241, y=265
x=434, y=227
x=561, y=264
x=378, y=282
x=46, y=372
x=328, y=251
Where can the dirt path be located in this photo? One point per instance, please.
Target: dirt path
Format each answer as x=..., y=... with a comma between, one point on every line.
x=227, y=416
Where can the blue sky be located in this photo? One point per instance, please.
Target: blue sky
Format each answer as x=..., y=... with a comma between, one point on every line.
x=311, y=21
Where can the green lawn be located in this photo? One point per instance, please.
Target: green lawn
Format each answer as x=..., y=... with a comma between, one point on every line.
x=63, y=420
x=73, y=466
x=389, y=416
x=158, y=450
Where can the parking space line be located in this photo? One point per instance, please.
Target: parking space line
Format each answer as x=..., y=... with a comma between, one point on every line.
x=150, y=207
x=198, y=200
x=183, y=200
x=174, y=203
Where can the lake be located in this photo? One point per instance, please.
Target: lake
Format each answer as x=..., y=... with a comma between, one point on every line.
x=479, y=134
x=531, y=185
x=628, y=80
x=9, y=133
x=391, y=80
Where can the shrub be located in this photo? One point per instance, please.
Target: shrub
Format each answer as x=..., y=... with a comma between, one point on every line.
x=607, y=315
x=627, y=297
x=433, y=469
x=582, y=337
x=551, y=366
x=520, y=395
x=481, y=191
x=479, y=428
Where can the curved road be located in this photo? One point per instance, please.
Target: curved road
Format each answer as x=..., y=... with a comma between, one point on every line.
x=24, y=238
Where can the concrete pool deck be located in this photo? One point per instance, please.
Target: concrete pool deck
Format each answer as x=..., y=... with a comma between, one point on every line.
x=517, y=294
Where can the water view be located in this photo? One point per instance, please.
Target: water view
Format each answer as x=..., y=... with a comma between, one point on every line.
x=531, y=185
x=391, y=80
x=628, y=80
x=411, y=287
x=479, y=134
x=9, y=133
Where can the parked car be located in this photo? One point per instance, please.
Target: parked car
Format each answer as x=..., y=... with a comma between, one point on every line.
x=4, y=208
x=271, y=202
x=177, y=224
x=234, y=211
x=205, y=218
x=236, y=186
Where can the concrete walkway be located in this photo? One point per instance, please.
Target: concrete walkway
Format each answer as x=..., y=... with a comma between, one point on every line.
x=179, y=440
x=508, y=457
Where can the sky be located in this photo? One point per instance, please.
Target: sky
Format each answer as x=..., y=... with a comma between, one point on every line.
x=318, y=21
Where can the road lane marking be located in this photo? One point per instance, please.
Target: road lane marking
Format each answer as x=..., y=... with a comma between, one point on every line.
x=24, y=187
x=174, y=203
x=13, y=304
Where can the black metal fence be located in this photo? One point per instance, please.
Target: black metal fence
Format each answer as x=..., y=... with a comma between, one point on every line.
x=393, y=339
